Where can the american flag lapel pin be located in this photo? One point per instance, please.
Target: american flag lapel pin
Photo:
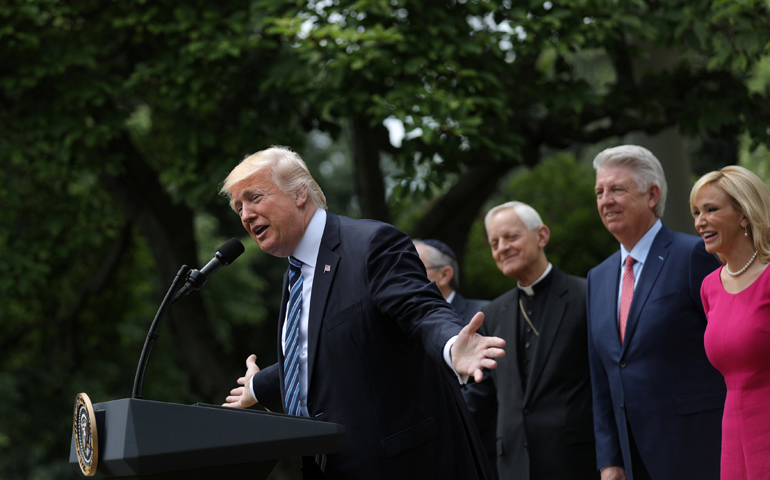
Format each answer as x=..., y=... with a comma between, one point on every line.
x=327, y=268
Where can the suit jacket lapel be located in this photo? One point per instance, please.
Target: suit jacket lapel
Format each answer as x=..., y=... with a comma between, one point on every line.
x=322, y=284
x=650, y=272
x=281, y=321
x=607, y=285
x=509, y=329
x=460, y=305
x=551, y=319
x=282, y=315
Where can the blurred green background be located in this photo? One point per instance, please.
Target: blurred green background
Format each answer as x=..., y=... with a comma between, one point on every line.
x=118, y=121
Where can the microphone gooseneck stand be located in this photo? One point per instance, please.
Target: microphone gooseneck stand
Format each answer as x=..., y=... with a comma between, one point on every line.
x=152, y=335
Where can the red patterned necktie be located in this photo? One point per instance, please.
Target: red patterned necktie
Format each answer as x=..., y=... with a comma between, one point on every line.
x=627, y=295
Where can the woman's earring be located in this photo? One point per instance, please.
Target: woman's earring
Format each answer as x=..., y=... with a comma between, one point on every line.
x=746, y=230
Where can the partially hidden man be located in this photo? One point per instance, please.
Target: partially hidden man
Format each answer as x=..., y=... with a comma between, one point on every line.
x=364, y=339
x=542, y=386
x=657, y=400
x=443, y=268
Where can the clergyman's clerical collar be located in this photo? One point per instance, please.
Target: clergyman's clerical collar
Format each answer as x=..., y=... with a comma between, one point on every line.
x=529, y=289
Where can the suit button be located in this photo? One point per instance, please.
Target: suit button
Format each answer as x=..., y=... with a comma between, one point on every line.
x=622, y=407
x=526, y=345
x=623, y=364
x=526, y=446
x=526, y=411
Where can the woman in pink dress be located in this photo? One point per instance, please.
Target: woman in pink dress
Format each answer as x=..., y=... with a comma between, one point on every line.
x=732, y=213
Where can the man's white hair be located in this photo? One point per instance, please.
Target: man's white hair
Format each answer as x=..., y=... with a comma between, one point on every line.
x=528, y=215
x=646, y=167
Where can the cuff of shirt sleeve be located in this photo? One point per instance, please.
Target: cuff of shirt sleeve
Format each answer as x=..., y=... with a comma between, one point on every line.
x=251, y=387
x=463, y=379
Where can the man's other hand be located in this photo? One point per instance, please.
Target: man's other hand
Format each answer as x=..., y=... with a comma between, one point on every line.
x=241, y=397
x=472, y=352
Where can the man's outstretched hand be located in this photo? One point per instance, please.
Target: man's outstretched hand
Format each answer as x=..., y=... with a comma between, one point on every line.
x=241, y=397
x=471, y=352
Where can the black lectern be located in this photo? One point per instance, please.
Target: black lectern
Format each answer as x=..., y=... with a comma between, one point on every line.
x=147, y=440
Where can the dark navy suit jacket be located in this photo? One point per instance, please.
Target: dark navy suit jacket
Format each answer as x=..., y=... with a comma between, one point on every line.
x=659, y=381
x=376, y=334
x=483, y=406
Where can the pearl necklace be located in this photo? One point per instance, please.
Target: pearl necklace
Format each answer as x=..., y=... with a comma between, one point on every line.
x=735, y=274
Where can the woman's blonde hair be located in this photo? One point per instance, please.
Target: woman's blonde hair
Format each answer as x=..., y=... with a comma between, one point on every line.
x=749, y=195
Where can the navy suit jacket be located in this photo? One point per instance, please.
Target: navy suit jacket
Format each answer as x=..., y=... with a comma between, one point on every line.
x=376, y=334
x=467, y=307
x=659, y=381
x=482, y=405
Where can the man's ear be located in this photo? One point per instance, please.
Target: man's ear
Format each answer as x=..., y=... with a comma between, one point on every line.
x=543, y=235
x=654, y=195
x=446, y=273
x=301, y=196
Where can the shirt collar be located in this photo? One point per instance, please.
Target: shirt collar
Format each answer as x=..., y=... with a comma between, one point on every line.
x=451, y=296
x=642, y=248
x=529, y=289
x=307, y=249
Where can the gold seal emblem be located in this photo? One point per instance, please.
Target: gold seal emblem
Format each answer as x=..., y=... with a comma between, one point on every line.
x=86, y=435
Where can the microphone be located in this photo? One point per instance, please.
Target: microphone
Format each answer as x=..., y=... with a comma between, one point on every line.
x=196, y=279
x=225, y=255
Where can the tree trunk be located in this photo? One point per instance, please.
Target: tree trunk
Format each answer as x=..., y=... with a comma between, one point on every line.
x=370, y=186
x=669, y=146
x=168, y=230
x=451, y=217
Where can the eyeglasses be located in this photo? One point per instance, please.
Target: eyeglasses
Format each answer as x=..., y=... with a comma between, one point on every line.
x=436, y=266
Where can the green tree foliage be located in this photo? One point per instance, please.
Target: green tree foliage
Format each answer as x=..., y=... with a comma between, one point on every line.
x=119, y=119
x=484, y=86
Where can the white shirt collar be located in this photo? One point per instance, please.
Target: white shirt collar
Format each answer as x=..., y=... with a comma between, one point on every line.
x=307, y=249
x=528, y=289
x=451, y=296
x=642, y=247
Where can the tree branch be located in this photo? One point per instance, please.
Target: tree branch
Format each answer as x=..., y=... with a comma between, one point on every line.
x=451, y=217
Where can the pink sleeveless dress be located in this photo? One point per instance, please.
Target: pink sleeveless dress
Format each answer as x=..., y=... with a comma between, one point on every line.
x=737, y=343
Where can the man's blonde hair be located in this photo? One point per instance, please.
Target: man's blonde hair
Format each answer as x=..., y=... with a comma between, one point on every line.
x=290, y=173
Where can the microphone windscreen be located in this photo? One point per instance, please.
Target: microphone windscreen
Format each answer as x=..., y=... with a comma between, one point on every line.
x=231, y=250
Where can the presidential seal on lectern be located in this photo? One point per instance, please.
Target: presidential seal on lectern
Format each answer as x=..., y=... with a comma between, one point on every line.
x=86, y=436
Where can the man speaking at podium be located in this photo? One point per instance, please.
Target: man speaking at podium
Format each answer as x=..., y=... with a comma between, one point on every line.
x=364, y=339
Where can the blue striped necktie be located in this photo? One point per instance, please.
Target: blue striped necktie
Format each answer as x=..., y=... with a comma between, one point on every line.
x=291, y=349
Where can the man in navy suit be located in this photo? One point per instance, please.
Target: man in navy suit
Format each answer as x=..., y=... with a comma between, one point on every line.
x=441, y=264
x=378, y=351
x=657, y=400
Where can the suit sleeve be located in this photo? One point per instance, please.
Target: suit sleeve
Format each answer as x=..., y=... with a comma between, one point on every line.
x=400, y=290
x=267, y=388
x=605, y=427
